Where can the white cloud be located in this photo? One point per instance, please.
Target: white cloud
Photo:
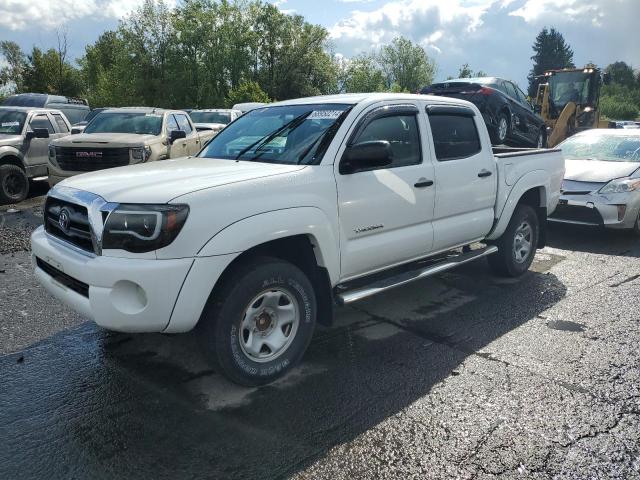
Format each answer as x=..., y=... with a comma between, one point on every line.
x=495, y=35
x=49, y=14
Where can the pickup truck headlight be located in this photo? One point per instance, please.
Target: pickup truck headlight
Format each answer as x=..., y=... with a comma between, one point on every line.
x=52, y=153
x=621, y=185
x=141, y=154
x=143, y=228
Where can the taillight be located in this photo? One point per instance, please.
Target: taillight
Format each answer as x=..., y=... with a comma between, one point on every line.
x=483, y=91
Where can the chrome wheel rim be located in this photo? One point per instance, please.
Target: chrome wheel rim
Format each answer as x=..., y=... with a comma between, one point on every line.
x=269, y=325
x=502, y=129
x=522, y=242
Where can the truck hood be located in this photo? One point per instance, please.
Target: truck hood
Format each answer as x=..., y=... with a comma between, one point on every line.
x=160, y=182
x=209, y=126
x=597, y=170
x=106, y=139
x=10, y=140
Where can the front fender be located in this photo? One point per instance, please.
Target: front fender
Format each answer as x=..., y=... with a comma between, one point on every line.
x=538, y=179
x=273, y=225
x=8, y=150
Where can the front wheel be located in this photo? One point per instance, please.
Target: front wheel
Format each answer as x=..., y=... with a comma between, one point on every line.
x=518, y=244
x=259, y=324
x=14, y=184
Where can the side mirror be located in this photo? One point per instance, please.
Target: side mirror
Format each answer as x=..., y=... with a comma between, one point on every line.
x=176, y=135
x=37, y=133
x=366, y=156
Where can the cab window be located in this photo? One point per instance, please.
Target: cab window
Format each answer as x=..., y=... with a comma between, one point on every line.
x=62, y=125
x=183, y=123
x=454, y=136
x=401, y=131
x=41, y=121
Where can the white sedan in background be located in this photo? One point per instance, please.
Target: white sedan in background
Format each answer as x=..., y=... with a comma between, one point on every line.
x=601, y=186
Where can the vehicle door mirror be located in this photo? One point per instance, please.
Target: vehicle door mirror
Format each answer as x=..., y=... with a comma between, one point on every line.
x=366, y=156
x=176, y=135
x=37, y=133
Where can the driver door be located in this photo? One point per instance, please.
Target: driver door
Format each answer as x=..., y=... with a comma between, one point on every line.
x=386, y=212
x=37, y=149
x=179, y=148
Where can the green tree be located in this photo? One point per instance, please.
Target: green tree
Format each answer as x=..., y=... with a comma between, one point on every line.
x=48, y=72
x=363, y=74
x=247, y=92
x=621, y=74
x=550, y=52
x=406, y=65
x=466, y=72
x=15, y=63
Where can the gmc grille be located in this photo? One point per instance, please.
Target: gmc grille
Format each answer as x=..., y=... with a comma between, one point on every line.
x=79, y=159
x=76, y=231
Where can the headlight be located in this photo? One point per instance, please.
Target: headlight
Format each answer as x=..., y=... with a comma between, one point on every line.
x=52, y=152
x=141, y=154
x=143, y=228
x=621, y=185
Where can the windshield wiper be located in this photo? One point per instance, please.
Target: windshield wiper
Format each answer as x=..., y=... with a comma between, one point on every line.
x=293, y=124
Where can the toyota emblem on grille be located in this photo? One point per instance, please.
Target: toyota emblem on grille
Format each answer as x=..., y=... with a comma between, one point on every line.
x=64, y=220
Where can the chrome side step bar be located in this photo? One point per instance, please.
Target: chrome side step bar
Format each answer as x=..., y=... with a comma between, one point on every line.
x=385, y=284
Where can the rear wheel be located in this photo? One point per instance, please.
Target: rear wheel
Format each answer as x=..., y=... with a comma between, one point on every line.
x=518, y=244
x=501, y=130
x=260, y=322
x=14, y=184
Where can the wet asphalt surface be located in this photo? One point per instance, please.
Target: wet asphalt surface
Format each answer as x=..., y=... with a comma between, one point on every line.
x=460, y=376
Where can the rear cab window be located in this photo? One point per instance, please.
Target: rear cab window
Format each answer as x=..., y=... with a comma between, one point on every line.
x=62, y=125
x=455, y=135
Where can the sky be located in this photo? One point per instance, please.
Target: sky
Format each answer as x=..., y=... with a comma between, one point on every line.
x=494, y=36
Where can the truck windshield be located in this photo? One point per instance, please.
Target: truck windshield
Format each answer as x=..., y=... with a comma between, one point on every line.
x=608, y=148
x=291, y=134
x=11, y=122
x=568, y=87
x=211, y=117
x=126, y=122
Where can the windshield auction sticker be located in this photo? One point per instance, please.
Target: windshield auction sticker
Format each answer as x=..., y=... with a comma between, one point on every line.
x=325, y=114
x=10, y=124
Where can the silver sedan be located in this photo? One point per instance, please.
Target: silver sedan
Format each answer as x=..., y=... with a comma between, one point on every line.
x=602, y=180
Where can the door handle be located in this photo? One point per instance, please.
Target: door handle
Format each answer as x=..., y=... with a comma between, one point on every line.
x=422, y=183
x=484, y=173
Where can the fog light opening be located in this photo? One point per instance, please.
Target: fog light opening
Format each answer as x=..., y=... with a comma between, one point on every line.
x=128, y=297
x=622, y=209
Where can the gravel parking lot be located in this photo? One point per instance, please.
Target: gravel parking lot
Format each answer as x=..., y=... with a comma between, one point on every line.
x=460, y=376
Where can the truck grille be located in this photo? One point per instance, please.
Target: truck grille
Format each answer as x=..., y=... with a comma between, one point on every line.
x=61, y=277
x=577, y=213
x=78, y=159
x=73, y=227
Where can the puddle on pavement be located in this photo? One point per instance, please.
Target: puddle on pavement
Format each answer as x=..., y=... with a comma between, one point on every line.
x=566, y=326
x=544, y=262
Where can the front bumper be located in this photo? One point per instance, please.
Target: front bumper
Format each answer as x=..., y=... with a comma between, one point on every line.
x=124, y=294
x=619, y=211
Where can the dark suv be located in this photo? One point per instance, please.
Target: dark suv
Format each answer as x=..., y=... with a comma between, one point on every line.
x=508, y=114
x=75, y=109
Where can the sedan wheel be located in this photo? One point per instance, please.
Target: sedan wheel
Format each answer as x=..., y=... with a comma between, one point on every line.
x=503, y=128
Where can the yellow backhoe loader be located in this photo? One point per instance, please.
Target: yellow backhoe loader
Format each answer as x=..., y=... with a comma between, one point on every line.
x=568, y=101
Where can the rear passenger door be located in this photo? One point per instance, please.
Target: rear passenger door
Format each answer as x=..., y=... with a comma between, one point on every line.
x=385, y=212
x=465, y=177
x=193, y=139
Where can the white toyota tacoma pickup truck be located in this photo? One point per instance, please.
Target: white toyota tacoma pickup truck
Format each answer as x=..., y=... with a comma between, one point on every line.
x=292, y=208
